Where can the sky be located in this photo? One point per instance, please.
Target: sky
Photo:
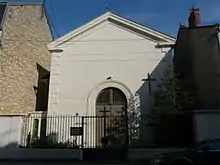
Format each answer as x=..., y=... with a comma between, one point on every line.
x=163, y=15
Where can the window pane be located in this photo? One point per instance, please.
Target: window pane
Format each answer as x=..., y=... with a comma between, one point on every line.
x=215, y=144
x=211, y=145
x=103, y=97
x=111, y=96
x=118, y=96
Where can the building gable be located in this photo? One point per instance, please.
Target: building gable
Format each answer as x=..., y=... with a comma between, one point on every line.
x=134, y=27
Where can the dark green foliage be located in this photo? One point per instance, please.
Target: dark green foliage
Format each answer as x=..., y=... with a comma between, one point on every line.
x=116, y=133
x=173, y=130
x=47, y=143
x=171, y=114
x=174, y=94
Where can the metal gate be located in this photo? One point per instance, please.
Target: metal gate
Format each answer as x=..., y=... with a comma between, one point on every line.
x=105, y=131
x=75, y=131
x=107, y=137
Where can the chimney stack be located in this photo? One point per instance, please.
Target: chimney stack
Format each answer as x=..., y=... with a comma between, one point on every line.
x=194, y=18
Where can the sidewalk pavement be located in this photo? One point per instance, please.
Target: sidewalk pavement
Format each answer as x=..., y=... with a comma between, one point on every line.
x=71, y=163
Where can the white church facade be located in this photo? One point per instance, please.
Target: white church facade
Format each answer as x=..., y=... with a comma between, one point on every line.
x=108, y=67
x=111, y=53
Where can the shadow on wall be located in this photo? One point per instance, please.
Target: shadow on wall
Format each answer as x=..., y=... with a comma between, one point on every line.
x=145, y=97
x=11, y=146
x=39, y=151
x=50, y=141
x=7, y=134
x=144, y=91
x=42, y=90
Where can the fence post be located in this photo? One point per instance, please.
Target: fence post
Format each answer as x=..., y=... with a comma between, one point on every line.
x=23, y=138
x=82, y=140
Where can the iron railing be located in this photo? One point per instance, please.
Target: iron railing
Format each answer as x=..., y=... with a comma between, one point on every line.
x=69, y=131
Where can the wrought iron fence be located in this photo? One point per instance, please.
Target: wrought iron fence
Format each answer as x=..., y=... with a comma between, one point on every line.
x=68, y=131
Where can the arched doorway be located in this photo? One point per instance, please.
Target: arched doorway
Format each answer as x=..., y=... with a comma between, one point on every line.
x=113, y=100
x=111, y=118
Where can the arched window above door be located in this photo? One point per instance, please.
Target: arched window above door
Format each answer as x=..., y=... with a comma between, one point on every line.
x=111, y=96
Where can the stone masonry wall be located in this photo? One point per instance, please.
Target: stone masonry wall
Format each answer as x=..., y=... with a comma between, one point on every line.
x=24, y=29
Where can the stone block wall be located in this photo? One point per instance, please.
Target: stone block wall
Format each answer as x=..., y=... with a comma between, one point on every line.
x=25, y=35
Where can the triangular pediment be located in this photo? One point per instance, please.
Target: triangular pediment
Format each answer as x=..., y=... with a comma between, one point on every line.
x=119, y=21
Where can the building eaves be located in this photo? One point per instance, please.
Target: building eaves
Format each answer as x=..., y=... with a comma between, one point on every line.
x=144, y=25
x=144, y=31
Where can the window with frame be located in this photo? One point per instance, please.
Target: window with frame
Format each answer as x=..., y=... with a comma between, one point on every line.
x=212, y=145
x=111, y=96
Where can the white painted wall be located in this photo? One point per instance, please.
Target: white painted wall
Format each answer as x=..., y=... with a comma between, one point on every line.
x=79, y=73
x=207, y=124
x=10, y=131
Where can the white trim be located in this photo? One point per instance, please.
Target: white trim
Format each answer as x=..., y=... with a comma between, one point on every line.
x=165, y=44
x=105, y=17
x=92, y=96
x=91, y=99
